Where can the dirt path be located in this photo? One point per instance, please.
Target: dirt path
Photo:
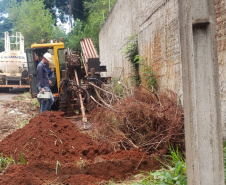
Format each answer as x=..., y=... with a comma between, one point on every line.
x=4, y=97
x=16, y=110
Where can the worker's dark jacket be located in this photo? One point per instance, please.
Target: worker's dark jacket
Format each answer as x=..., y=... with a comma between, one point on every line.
x=42, y=76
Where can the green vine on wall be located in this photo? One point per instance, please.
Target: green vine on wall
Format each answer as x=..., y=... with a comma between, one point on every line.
x=147, y=73
x=140, y=67
x=131, y=51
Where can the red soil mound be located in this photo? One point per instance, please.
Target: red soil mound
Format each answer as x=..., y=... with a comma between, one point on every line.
x=50, y=139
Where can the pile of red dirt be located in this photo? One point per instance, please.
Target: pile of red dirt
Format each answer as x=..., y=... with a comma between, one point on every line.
x=57, y=153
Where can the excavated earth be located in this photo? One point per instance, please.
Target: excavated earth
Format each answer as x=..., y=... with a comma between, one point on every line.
x=56, y=152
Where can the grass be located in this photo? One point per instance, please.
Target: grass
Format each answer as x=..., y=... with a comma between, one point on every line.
x=5, y=161
x=19, y=98
x=35, y=103
x=170, y=174
x=173, y=171
x=22, y=159
x=53, y=134
x=57, y=166
x=224, y=156
x=24, y=96
x=23, y=123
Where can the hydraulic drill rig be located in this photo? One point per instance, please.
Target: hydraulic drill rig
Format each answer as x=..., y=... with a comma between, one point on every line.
x=73, y=80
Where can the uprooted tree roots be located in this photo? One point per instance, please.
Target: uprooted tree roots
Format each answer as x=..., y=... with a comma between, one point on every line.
x=147, y=121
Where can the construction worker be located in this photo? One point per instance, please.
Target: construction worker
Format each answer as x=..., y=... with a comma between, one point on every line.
x=43, y=82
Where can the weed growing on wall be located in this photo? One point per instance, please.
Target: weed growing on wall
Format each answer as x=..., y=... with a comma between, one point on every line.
x=131, y=51
x=142, y=71
x=146, y=72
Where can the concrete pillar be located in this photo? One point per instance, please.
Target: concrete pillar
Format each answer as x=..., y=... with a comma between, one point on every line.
x=203, y=128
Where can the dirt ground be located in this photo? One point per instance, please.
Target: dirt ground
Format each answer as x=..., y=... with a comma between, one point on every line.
x=52, y=150
x=16, y=111
x=49, y=139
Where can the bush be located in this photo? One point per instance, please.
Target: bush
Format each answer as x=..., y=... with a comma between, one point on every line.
x=168, y=175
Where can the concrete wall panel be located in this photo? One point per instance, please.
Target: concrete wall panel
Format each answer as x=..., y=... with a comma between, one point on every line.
x=221, y=48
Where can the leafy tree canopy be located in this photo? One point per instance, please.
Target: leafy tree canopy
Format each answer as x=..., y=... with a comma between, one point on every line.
x=32, y=20
x=97, y=11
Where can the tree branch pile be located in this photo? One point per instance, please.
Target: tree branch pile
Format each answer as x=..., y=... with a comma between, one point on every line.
x=148, y=121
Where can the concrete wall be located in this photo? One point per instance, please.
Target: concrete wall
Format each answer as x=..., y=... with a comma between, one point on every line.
x=157, y=24
x=221, y=48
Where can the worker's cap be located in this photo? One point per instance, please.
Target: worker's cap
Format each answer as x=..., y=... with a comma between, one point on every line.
x=48, y=56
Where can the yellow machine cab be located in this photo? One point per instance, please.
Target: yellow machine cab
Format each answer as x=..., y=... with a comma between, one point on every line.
x=55, y=67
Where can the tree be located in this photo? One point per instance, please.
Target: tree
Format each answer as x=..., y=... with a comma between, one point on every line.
x=98, y=10
x=58, y=32
x=5, y=24
x=32, y=20
x=74, y=38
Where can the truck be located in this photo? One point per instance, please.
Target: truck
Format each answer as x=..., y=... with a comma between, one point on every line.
x=13, y=63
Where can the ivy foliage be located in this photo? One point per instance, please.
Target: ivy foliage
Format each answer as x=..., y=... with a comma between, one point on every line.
x=131, y=53
x=131, y=49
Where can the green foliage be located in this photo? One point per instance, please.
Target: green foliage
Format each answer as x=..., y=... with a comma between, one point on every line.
x=168, y=175
x=36, y=20
x=32, y=20
x=98, y=11
x=4, y=161
x=35, y=103
x=117, y=88
x=149, y=76
x=22, y=159
x=224, y=156
x=58, y=32
x=175, y=155
x=5, y=25
x=131, y=49
x=74, y=38
x=146, y=73
x=77, y=112
x=19, y=98
x=23, y=123
x=131, y=52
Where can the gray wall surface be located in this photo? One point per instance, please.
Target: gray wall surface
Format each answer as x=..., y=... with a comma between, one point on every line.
x=157, y=26
x=220, y=6
x=156, y=22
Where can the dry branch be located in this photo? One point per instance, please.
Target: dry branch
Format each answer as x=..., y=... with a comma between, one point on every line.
x=142, y=122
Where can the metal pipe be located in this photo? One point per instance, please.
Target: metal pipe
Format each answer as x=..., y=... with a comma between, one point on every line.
x=84, y=119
